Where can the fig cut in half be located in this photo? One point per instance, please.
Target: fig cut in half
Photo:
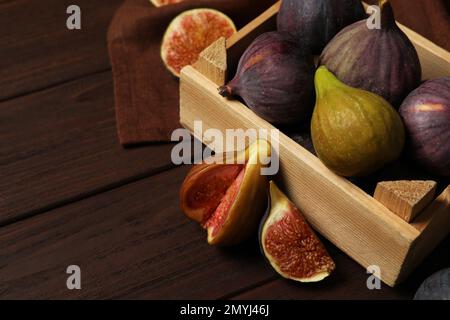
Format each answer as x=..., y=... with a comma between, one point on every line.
x=289, y=244
x=190, y=33
x=228, y=200
x=160, y=3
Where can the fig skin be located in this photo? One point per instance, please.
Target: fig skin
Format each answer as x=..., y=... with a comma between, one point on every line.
x=426, y=114
x=354, y=132
x=436, y=287
x=315, y=22
x=309, y=248
x=382, y=61
x=275, y=78
x=245, y=209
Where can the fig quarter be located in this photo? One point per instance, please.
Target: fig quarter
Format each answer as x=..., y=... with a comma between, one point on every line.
x=289, y=244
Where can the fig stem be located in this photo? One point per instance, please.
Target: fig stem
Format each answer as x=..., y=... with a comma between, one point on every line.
x=324, y=79
x=225, y=91
x=387, y=14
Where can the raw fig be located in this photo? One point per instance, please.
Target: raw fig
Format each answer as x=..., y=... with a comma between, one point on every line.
x=316, y=22
x=160, y=3
x=190, y=33
x=275, y=78
x=354, y=132
x=228, y=200
x=426, y=114
x=436, y=287
x=382, y=61
x=289, y=243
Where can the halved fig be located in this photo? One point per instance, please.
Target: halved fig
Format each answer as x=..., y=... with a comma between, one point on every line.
x=190, y=33
x=160, y=3
x=228, y=200
x=289, y=244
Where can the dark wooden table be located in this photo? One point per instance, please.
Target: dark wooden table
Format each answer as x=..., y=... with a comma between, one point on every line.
x=70, y=194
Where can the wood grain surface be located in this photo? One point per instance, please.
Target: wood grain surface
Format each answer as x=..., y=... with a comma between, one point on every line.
x=133, y=242
x=60, y=144
x=37, y=50
x=69, y=194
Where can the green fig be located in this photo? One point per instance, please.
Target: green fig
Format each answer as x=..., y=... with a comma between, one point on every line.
x=354, y=132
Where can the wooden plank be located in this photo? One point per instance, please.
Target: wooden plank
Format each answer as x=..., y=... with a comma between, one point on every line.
x=131, y=242
x=37, y=49
x=350, y=282
x=60, y=144
x=435, y=60
x=434, y=225
x=331, y=290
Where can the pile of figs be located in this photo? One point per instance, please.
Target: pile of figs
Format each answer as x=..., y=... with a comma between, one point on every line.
x=364, y=102
x=365, y=73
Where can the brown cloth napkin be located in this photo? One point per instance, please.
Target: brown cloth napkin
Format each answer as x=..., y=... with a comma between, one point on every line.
x=146, y=94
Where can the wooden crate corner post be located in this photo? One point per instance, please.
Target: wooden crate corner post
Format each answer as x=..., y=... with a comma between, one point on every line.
x=212, y=62
x=405, y=198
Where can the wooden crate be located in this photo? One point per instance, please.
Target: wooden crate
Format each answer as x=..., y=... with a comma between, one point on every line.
x=350, y=218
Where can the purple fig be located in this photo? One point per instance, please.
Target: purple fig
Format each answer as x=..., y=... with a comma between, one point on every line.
x=426, y=114
x=436, y=287
x=316, y=22
x=382, y=61
x=275, y=78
